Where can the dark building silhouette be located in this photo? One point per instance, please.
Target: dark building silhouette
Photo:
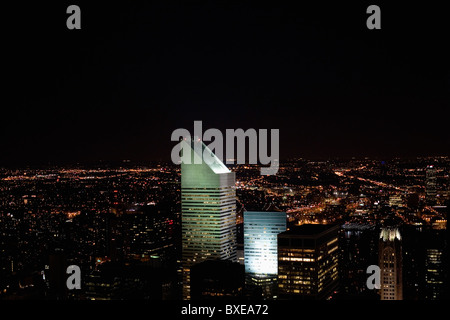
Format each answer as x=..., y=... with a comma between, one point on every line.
x=56, y=274
x=358, y=246
x=137, y=281
x=217, y=279
x=436, y=266
x=413, y=251
x=425, y=263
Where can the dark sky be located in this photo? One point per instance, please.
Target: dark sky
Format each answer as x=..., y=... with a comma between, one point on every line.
x=117, y=88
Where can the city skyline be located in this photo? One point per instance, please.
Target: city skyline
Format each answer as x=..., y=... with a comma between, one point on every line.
x=317, y=148
x=126, y=221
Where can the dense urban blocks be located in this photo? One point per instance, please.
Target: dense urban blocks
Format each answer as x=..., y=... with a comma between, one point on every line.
x=121, y=224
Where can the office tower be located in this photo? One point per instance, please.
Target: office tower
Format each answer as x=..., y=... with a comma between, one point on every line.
x=129, y=280
x=413, y=261
x=260, y=241
x=217, y=280
x=433, y=273
x=57, y=275
x=435, y=264
x=261, y=229
x=430, y=185
x=308, y=262
x=358, y=245
x=208, y=210
x=390, y=262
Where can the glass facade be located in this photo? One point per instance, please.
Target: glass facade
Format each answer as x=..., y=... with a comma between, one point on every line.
x=260, y=241
x=208, y=214
x=308, y=262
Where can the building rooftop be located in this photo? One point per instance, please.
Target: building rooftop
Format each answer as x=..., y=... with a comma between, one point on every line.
x=204, y=154
x=390, y=234
x=310, y=230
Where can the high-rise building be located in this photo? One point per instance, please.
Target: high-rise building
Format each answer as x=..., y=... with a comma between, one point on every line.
x=260, y=241
x=358, y=244
x=433, y=273
x=208, y=209
x=261, y=229
x=390, y=262
x=308, y=262
x=413, y=261
x=435, y=264
x=430, y=185
x=56, y=275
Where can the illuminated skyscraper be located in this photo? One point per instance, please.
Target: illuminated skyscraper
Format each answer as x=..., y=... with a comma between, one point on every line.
x=435, y=264
x=308, y=262
x=390, y=262
x=208, y=210
x=430, y=185
x=433, y=273
x=261, y=229
x=260, y=241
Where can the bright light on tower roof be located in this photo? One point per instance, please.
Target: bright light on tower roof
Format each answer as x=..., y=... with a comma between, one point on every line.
x=390, y=234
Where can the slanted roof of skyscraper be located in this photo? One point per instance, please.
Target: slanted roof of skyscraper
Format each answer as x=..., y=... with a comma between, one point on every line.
x=216, y=165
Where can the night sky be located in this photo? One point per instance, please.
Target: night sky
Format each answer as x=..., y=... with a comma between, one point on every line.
x=117, y=88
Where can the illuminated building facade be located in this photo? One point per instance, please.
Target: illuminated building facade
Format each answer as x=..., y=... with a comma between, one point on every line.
x=261, y=229
x=308, y=262
x=390, y=262
x=430, y=185
x=436, y=268
x=208, y=210
x=433, y=273
x=260, y=241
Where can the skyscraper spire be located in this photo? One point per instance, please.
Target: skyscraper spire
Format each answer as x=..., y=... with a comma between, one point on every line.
x=390, y=262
